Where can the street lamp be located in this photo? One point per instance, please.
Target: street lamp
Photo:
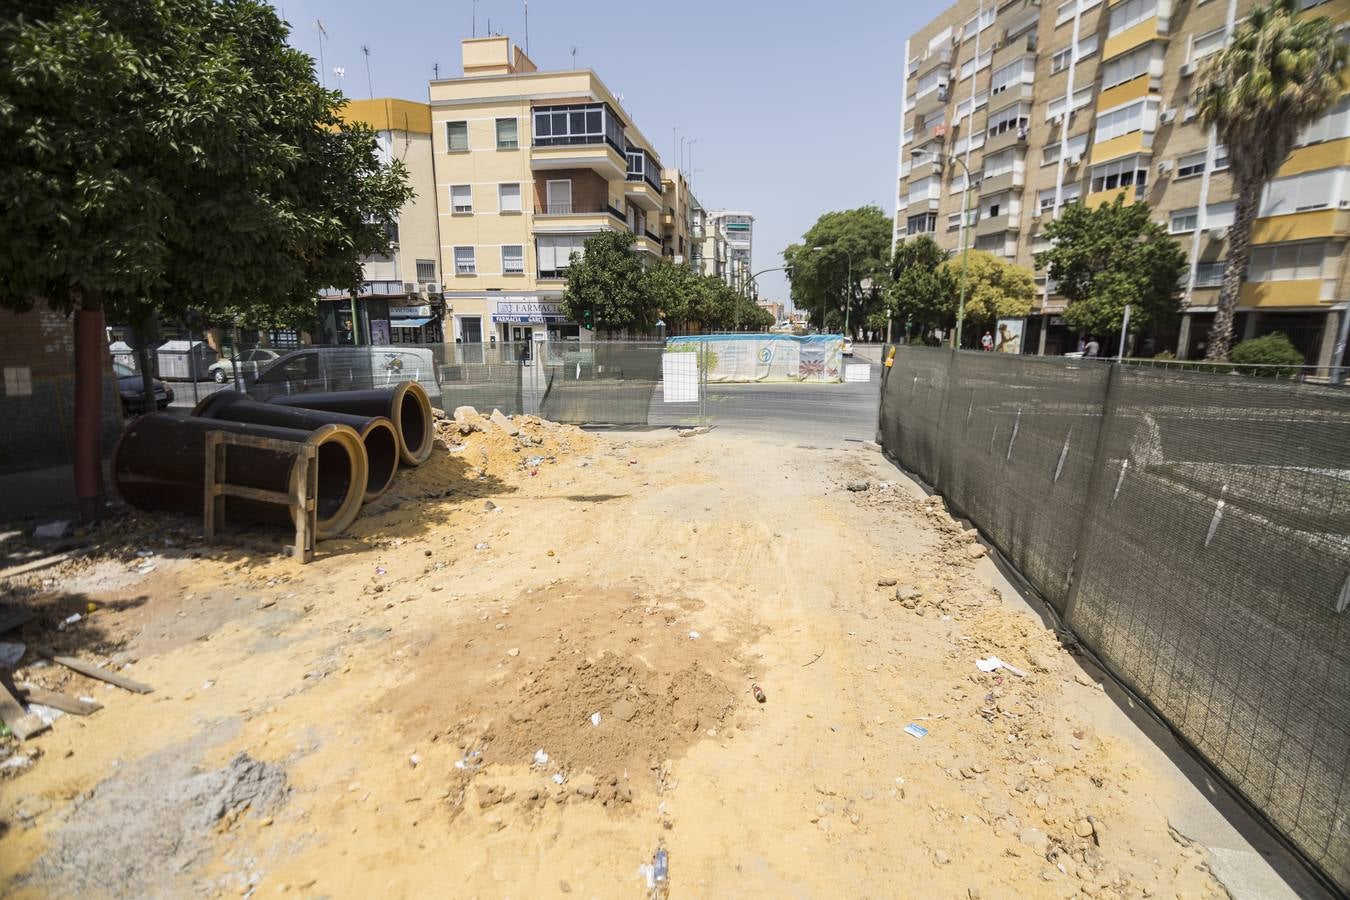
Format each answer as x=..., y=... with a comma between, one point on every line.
x=916, y=153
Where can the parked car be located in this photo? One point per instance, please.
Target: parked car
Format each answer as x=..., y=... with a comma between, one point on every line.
x=848, y=346
x=316, y=369
x=249, y=363
x=132, y=391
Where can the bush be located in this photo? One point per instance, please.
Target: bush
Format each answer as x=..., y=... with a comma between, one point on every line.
x=1271, y=356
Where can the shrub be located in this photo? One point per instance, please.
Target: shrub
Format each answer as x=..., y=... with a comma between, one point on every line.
x=1271, y=356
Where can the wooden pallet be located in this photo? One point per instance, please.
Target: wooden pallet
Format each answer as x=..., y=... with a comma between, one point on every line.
x=302, y=500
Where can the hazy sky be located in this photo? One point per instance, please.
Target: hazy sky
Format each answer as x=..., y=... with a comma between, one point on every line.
x=794, y=104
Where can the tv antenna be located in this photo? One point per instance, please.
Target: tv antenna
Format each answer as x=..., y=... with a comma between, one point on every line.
x=323, y=36
x=574, y=57
x=370, y=86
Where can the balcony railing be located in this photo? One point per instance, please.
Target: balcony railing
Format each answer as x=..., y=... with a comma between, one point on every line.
x=641, y=167
x=578, y=124
x=577, y=209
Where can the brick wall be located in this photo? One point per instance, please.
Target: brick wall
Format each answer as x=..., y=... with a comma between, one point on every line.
x=590, y=192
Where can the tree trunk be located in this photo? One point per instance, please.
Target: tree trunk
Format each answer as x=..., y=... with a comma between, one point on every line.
x=90, y=348
x=1239, y=251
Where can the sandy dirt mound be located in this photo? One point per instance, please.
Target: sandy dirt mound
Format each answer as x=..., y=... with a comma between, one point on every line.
x=607, y=684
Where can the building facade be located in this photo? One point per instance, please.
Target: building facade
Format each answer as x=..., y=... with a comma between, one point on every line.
x=530, y=164
x=735, y=229
x=400, y=296
x=1080, y=100
x=677, y=217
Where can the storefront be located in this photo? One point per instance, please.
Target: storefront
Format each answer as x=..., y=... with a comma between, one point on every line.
x=418, y=324
x=526, y=323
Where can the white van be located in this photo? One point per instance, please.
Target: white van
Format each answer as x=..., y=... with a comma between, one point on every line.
x=315, y=369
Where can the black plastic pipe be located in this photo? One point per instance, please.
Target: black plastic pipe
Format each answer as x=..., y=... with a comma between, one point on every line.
x=405, y=404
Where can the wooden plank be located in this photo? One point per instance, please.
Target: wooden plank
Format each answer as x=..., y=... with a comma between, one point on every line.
x=33, y=565
x=252, y=493
x=56, y=700
x=23, y=724
x=94, y=671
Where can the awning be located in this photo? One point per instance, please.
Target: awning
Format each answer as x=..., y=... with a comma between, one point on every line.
x=408, y=323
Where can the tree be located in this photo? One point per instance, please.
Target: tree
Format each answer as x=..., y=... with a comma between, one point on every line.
x=1105, y=258
x=854, y=247
x=920, y=290
x=1280, y=73
x=995, y=288
x=1271, y=356
x=674, y=292
x=607, y=285
x=166, y=154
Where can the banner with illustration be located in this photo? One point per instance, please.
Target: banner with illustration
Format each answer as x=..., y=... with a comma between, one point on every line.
x=765, y=357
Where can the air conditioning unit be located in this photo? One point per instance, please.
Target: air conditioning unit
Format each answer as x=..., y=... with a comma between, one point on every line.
x=1073, y=160
x=1189, y=113
x=1218, y=234
x=1165, y=167
x=1168, y=115
x=1036, y=216
x=409, y=287
x=431, y=287
x=1188, y=70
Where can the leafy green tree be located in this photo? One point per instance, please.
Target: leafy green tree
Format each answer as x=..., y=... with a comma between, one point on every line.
x=161, y=155
x=995, y=288
x=674, y=292
x=920, y=290
x=1105, y=258
x=1281, y=72
x=1272, y=350
x=610, y=283
x=823, y=278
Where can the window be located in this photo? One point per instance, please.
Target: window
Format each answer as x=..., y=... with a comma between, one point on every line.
x=967, y=69
x=554, y=253
x=969, y=142
x=1203, y=45
x=924, y=189
x=1015, y=72
x=1335, y=124
x=1209, y=274
x=1127, y=67
x=508, y=137
x=1014, y=117
x=1297, y=193
x=1060, y=61
x=998, y=164
x=1120, y=173
x=1220, y=215
x=508, y=198
x=461, y=199
x=558, y=197
x=1046, y=199
x=1286, y=262
x=464, y=261
x=930, y=82
x=426, y=270
x=1184, y=220
x=1057, y=106
x=1137, y=116
x=1191, y=164
x=457, y=136
x=591, y=123
x=1087, y=46
x=1220, y=157
x=1076, y=146
x=1065, y=11
x=954, y=219
x=513, y=259
x=925, y=223
x=1130, y=13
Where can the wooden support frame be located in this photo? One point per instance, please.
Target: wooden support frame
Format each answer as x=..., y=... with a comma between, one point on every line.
x=302, y=501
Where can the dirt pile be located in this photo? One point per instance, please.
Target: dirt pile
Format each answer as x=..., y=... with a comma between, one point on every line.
x=608, y=695
x=138, y=831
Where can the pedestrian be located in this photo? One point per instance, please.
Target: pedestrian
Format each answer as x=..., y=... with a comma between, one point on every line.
x=987, y=342
x=1091, y=348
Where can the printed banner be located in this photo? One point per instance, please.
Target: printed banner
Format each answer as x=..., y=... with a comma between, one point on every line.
x=765, y=357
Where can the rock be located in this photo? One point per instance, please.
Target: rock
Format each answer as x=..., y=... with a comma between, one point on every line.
x=908, y=595
x=584, y=786
x=885, y=582
x=1042, y=801
x=1092, y=857
x=57, y=529
x=872, y=445
x=1022, y=786
x=975, y=551
x=858, y=486
x=437, y=413
x=564, y=887
x=1083, y=828
x=266, y=602
x=502, y=421
x=941, y=857
x=489, y=505
x=465, y=428
x=465, y=414
x=1035, y=839
x=624, y=710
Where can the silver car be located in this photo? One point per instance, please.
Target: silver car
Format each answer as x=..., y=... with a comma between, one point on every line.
x=321, y=369
x=249, y=363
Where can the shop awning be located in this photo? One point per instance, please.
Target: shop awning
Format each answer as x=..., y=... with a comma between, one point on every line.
x=408, y=323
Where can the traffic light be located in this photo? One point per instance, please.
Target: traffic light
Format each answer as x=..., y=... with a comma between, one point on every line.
x=588, y=318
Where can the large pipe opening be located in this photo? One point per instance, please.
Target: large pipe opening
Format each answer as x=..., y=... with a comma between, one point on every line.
x=406, y=404
x=413, y=418
x=381, y=457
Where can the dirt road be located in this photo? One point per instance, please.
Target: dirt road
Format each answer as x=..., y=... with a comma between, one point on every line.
x=520, y=677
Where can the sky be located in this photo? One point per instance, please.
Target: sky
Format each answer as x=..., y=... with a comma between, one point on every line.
x=792, y=106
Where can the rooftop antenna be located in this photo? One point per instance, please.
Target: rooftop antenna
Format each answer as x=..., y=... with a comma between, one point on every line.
x=527, y=27
x=574, y=57
x=475, y=18
x=436, y=70
x=370, y=87
x=323, y=35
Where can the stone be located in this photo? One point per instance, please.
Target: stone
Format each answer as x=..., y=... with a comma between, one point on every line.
x=1042, y=801
x=624, y=710
x=908, y=594
x=489, y=505
x=465, y=414
x=941, y=857
x=266, y=602
x=975, y=551
x=1035, y=839
x=584, y=786
x=858, y=486
x=1083, y=828
x=885, y=582
x=502, y=421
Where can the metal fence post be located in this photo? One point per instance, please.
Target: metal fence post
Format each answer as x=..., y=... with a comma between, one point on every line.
x=939, y=481
x=1085, y=532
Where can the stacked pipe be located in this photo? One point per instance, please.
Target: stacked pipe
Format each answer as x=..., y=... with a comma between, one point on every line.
x=159, y=462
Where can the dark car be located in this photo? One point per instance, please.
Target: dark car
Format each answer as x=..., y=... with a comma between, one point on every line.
x=132, y=391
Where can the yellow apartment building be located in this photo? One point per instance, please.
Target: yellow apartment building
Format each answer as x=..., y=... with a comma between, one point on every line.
x=400, y=296
x=1079, y=100
x=528, y=165
x=677, y=217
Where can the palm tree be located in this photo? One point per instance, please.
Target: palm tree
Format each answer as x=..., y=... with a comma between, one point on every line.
x=1280, y=73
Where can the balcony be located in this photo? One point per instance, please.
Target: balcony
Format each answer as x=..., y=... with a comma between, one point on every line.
x=1012, y=137
x=1014, y=93
x=1009, y=50
x=931, y=102
x=997, y=224
x=648, y=242
x=563, y=210
x=579, y=136
x=642, y=184
x=1005, y=181
x=942, y=57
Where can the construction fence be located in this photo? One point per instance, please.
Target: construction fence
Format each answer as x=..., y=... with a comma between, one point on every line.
x=1193, y=530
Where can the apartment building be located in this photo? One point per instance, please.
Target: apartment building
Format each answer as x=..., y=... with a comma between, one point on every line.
x=1078, y=101
x=399, y=300
x=530, y=164
x=736, y=229
x=677, y=218
x=710, y=257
